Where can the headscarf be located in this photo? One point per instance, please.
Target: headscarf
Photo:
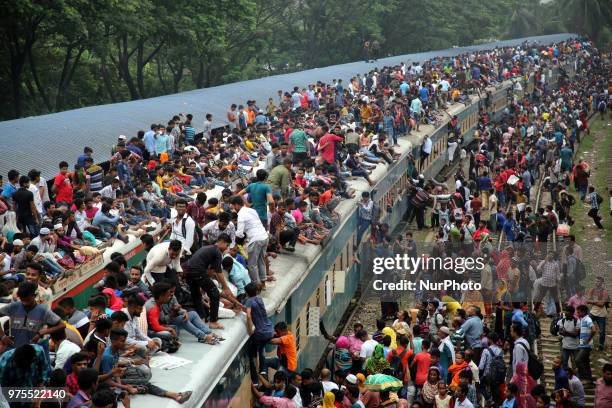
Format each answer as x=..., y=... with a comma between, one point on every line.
x=342, y=342
x=454, y=371
x=430, y=390
x=525, y=384
x=361, y=379
x=342, y=357
x=328, y=400
x=377, y=363
x=114, y=302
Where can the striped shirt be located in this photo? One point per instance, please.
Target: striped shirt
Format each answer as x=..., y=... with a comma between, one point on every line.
x=550, y=273
x=586, y=324
x=592, y=199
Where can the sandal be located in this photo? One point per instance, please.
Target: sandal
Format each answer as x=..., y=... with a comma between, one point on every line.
x=184, y=397
x=216, y=336
x=209, y=339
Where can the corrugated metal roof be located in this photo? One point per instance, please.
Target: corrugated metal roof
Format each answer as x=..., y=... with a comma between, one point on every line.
x=41, y=142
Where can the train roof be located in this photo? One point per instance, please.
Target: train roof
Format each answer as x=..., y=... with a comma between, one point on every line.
x=62, y=136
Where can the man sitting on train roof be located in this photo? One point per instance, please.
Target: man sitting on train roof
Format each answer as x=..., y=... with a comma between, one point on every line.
x=166, y=317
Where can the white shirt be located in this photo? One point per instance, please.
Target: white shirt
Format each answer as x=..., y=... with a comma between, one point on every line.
x=328, y=386
x=37, y=200
x=367, y=348
x=64, y=352
x=250, y=224
x=463, y=404
x=427, y=144
x=158, y=260
x=44, y=196
x=211, y=231
x=108, y=192
x=177, y=231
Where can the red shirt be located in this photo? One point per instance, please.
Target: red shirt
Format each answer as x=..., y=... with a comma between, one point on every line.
x=153, y=319
x=398, y=352
x=64, y=189
x=197, y=213
x=422, y=361
x=72, y=384
x=326, y=146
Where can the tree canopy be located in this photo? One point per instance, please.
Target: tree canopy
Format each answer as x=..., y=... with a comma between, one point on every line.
x=65, y=54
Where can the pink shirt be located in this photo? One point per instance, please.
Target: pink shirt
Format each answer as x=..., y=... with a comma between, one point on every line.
x=354, y=344
x=276, y=402
x=297, y=215
x=603, y=394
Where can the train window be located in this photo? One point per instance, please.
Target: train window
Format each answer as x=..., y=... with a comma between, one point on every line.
x=318, y=297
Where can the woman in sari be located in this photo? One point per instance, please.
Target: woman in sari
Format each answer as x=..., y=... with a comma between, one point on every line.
x=342, y=356
x=377, y=362
x=525, y=384
x=430, y=387
x=455, y=369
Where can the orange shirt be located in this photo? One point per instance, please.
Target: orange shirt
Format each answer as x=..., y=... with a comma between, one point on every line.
x=286, y=351
x=325, y=197
x=250, y=116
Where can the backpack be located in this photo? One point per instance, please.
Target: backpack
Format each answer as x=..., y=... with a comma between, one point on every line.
x=554, y=326
x=497, y=368
x=580, y=270
x=533, y=327
x=397, y=367
x=534, y=365
x=197, y=235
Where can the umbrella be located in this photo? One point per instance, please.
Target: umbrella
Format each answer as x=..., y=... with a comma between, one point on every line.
x=382, y=382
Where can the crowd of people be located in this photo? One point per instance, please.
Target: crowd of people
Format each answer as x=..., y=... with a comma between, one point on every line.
x=282, y=169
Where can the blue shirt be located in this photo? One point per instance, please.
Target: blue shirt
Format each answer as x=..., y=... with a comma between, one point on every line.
x=258, y=193
x=81, y=160
x=189, y=133
x=517, y=316
x=8, y=191
x=149, y=140
x=586, y=323
x=484, y=183
x=161, y=144
x=472, y=329
x=109, y=360
x=404, y=88
x=79, y=400
x=509, y=403
x=561, y=380
x=424, y=94
x=239, y=276
x=263, y=326
x=37, y=373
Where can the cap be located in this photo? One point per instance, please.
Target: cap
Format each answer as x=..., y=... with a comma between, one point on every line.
x=122, y=137
x=44, y=231
x=351, y=378
x=17, y=242
x=58, y=226
x=445, y=330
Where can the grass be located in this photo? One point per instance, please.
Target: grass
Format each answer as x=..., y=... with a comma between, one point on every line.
x=597, y=146
x=599, y=173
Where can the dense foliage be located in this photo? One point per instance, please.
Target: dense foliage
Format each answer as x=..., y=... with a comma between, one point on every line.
x=63, y=54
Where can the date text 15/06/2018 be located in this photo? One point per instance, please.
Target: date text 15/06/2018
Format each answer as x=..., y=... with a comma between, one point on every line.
x=403, y=285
